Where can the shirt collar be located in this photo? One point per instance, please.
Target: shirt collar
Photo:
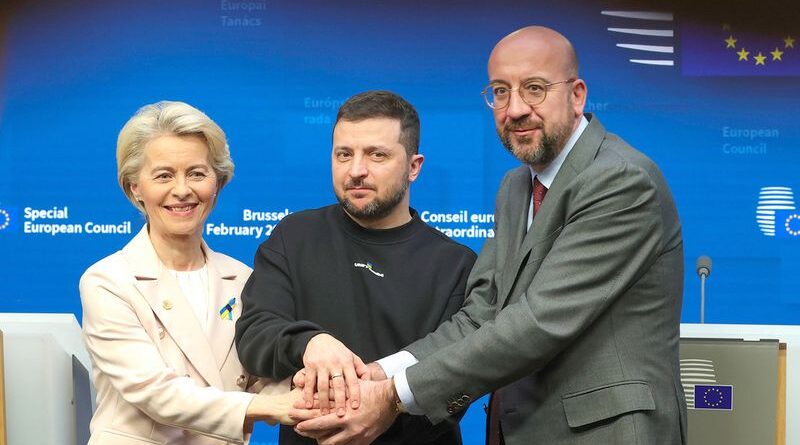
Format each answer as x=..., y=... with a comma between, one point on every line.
x=548, y=175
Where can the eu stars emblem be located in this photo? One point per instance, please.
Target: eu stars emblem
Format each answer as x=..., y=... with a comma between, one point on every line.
x=787, y=224
x=226, y=313
x=8, y=219
x=713, y=397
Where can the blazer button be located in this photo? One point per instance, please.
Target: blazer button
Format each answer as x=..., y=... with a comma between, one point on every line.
x=241, y=381
x=167, y=304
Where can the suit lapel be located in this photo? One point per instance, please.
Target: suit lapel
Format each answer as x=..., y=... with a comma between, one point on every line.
x=224, y=314
x=161, y=291
x=546, y=221
x=517, y=211
x=520, y=191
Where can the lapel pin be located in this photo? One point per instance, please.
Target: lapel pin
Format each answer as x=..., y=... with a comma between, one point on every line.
x=167, y=304
x=226, y=313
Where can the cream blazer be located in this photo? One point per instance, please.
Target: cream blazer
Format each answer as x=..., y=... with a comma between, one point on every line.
x=160, y=378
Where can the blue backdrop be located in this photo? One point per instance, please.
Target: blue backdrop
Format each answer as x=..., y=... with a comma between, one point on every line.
x=709, y=100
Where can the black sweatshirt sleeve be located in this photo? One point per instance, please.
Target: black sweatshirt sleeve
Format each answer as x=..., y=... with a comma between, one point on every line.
x=419, y=426
x=270, y=340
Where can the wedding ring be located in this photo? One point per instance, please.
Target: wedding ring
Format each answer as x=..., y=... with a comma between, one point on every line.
x=338, y=374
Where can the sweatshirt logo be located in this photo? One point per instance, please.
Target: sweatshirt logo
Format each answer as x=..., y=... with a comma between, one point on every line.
x=370, y=267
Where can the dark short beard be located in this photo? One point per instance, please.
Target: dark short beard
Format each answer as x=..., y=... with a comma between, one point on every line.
x=549, y=147
x=378, y=208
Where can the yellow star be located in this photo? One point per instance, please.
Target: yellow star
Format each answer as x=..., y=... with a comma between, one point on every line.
x=743, y=54
x=731, y=42
x=776, y=55
x=788, y=42
x=760, y=58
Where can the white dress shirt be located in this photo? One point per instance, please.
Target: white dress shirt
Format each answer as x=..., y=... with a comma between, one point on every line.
x=194, y=285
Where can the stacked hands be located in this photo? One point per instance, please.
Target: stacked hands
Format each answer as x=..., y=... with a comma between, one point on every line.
x=344, y=401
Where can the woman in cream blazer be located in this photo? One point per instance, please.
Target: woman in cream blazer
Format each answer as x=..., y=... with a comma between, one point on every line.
x=159, y=315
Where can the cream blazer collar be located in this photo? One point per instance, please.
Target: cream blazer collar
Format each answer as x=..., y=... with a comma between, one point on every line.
x=162, y=292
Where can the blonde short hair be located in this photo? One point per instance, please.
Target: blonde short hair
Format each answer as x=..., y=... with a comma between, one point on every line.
x=167, y=118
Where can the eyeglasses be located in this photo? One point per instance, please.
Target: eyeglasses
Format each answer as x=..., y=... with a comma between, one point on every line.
x=532, y=93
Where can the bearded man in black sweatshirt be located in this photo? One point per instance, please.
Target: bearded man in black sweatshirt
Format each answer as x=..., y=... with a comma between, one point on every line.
x=366, y=272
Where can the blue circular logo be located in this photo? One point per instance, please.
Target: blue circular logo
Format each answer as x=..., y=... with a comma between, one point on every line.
x=5, y=219
x=713, y=397
x=792, y=224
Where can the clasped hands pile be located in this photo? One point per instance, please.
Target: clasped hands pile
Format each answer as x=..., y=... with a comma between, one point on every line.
x=344, y=401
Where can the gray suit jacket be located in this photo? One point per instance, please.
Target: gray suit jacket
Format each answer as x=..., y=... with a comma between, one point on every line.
x=576, y=321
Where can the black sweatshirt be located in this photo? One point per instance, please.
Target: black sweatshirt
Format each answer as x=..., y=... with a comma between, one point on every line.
x=374, y=290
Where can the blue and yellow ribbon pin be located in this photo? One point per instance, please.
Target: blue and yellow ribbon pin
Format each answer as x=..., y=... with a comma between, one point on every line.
x=226, y=313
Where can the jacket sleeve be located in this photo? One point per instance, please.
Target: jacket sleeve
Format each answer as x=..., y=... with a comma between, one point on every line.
x=269, y=339
x=612, y=234
x=122, y=350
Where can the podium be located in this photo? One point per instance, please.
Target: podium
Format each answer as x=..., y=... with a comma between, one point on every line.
x=738, y=381
x=48, y=395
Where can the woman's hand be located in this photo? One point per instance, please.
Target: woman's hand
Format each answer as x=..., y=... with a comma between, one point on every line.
x=274, y=409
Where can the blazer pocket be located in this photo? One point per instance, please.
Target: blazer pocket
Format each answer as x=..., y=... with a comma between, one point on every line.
x=108, y=437
x=604, y=402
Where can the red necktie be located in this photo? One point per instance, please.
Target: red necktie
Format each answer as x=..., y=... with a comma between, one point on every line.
x=539, y=190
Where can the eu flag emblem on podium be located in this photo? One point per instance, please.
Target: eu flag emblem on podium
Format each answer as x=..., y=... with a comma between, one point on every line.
x=713, y=397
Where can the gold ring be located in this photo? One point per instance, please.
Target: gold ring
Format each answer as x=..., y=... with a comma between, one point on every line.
x=338, y=374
